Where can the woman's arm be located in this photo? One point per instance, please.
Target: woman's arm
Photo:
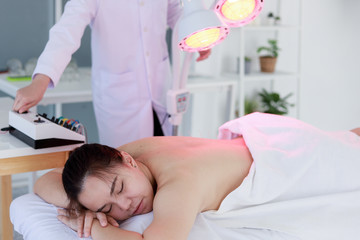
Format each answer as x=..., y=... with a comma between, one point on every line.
x=176, y=206
x=50, y=188
x=112, y=233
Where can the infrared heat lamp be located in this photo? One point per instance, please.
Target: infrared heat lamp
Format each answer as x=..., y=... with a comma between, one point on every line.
x=200, y=29
x=237, y=13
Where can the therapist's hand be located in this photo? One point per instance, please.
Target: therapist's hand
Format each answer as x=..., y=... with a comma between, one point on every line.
x=203, y=55
x=30, y=95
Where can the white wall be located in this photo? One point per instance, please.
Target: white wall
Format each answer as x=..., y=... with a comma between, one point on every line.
x=330, y=91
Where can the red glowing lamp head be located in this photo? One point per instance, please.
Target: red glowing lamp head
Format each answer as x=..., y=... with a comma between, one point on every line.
x=237, y=13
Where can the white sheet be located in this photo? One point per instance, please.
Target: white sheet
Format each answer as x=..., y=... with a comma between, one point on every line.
x=36, y=220
x=304, y=181
x=304, y=184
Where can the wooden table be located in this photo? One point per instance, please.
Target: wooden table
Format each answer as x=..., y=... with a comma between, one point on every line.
x=17, y=157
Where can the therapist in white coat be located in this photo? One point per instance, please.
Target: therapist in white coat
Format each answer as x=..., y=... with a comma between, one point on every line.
x=130, y=64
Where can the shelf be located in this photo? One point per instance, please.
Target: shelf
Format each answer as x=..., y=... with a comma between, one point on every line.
x=201, y=82
x=246, y=41
x=271, y=28
x=274, y=81
x=268, y=76
x=261, y=76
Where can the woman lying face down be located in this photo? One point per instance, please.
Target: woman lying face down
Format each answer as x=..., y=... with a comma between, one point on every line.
x=179, y=177
x=176, y=177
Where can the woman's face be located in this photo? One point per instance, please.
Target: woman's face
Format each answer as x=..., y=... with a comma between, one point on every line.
x=122, y=194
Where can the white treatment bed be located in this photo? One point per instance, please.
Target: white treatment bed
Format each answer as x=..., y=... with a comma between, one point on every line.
x=304, y=183
x=36, y=220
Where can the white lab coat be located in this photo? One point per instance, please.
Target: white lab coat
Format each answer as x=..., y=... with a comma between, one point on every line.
x=130, y=63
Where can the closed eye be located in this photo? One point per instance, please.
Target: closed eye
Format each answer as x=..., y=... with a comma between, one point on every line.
x=122, y=186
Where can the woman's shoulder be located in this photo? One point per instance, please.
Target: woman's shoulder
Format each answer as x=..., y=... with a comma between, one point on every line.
x=143, y=145
x=150, y=144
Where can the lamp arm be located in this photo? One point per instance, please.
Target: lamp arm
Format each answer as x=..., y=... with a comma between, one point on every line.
x=192, y=5
x=185, y=69
x=175, y=51
x=213, y=5
x=178, y=97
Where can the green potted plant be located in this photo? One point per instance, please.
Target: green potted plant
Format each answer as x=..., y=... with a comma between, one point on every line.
x=270, y=20
x=273, y=103
x=251, y=105
x=277, y=20
x=268, y=61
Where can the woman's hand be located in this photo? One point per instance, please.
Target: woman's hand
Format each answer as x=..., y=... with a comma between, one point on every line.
x=83, y=221
x=31, y=95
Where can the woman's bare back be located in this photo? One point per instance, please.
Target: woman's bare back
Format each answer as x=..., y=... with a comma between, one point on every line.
x=193, y=175
x=213, y=167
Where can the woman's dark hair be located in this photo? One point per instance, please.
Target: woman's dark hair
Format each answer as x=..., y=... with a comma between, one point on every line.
x=87, y=160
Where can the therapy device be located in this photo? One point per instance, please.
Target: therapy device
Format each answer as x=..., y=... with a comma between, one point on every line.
x=176, y=102
x=38, y=131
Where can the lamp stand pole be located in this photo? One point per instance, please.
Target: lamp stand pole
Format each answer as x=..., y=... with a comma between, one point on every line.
x=178, y=95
